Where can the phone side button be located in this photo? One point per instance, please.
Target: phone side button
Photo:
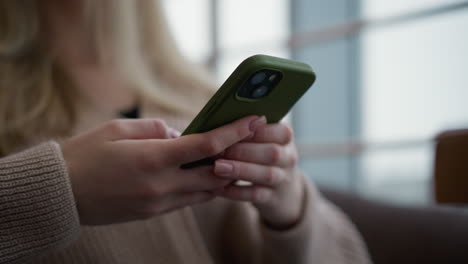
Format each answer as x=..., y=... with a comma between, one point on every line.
x=210, y=108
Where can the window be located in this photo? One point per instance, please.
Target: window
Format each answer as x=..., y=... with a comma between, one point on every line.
x=189, y=21
x=393, y=83
x=413, y=87
x=250, y=27
x=391, y=75
x=243, y=28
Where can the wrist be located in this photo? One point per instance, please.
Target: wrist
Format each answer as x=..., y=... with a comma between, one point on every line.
x=289, y=212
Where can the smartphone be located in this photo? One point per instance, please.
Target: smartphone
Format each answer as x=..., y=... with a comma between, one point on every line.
x=260, y=85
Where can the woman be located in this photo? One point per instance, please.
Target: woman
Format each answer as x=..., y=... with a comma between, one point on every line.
x=70, y=65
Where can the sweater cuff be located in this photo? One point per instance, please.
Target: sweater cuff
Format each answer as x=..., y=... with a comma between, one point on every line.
x=295, y=243
x=37, y=207
x=324, y=235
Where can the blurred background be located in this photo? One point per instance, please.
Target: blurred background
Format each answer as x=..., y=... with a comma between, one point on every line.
x=391, y=76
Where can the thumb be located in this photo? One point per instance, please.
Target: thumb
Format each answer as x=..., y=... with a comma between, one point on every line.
x=121, y=129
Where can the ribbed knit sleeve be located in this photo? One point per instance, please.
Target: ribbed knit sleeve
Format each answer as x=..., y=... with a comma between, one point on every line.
x=37, y=208
x=234, y=234
x=324, y=235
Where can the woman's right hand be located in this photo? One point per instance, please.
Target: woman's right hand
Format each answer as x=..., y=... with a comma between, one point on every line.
x=129, y=169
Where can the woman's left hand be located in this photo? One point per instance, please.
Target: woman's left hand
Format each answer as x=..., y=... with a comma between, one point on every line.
x=269, y=161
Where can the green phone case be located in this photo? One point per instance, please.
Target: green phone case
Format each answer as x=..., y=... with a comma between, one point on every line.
x=226, y=106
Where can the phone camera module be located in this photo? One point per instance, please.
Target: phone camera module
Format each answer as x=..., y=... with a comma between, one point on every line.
x=272, y=77
x=260, y=91
x=258, y=78
x=260, y=84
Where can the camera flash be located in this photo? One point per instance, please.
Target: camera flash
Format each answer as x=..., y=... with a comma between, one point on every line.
x=272, y=77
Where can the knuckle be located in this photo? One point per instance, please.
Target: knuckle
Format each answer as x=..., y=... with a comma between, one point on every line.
x=146, y=163
x=271, y=176
x=288, y=134
x=148, y=196
x=115, y=126
x=275, y=153
x=159, y=122
x=234, y=152
x=240, y=169
x=242, y=132
x=230, y=153
x=261, y=195
x=159, y=127
x=211, y=147
x=294, y=159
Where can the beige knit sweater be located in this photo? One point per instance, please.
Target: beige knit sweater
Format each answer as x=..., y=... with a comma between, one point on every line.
x=39, y=224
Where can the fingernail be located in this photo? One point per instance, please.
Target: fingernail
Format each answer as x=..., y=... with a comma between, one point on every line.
x=173, y=133
x=257, y=123
x=223, y=168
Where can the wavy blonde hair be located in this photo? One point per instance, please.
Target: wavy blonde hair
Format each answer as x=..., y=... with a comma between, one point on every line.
x=37, y=96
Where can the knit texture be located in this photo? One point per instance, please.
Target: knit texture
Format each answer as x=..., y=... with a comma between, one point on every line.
x=235, y=234
x=37, y=208
x=39, y=222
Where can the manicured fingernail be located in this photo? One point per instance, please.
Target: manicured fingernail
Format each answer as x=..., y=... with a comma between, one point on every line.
x=257, y=122
x=223, y=168
x=173, y=133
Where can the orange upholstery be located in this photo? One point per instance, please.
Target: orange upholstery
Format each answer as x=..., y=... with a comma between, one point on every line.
x=451, y=167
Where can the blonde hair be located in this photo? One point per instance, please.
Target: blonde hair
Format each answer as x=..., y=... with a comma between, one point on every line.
x=37, y=96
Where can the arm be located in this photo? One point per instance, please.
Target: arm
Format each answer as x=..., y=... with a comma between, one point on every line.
x=295, y=222
x=234, y=233
x=38, y=213
x=323, y=235
x=37, y=209
x=122, y=171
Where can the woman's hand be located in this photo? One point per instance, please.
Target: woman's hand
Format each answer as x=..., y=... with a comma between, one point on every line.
x=129, y=169
x=267, y=160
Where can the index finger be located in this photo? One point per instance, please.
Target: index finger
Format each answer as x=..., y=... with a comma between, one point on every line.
x=198, y=146
x=279, y=133
x=121, y=129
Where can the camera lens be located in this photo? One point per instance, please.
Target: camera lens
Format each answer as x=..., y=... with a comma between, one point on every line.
x=272, y=77
x=258, y=78
x=259, y=84
x=260, y=91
